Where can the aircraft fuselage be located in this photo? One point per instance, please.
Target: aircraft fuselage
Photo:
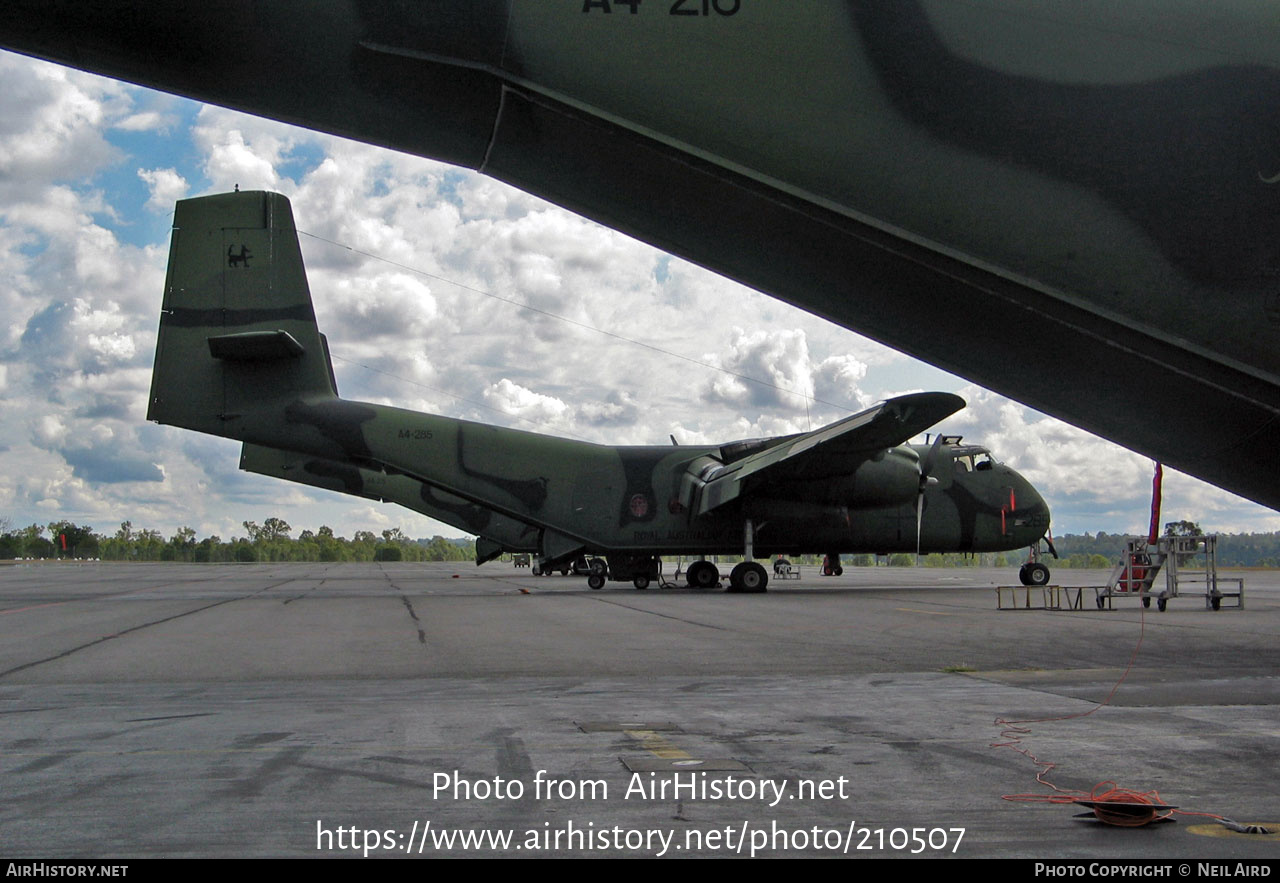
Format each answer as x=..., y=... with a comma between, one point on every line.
x=629, y=499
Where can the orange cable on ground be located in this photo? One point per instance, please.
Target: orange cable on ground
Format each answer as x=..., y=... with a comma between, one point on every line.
x=1134, y=814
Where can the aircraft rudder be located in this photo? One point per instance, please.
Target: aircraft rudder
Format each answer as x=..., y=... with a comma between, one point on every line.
x=237, y=326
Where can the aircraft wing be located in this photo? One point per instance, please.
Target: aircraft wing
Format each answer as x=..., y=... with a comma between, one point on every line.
x=836, y=449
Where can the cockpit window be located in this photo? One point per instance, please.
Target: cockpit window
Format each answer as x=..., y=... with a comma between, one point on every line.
x=971, y=458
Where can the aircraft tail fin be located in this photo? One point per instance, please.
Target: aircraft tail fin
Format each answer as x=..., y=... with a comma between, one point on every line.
x=237, y=329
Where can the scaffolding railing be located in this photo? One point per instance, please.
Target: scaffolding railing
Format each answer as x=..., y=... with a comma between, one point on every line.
x=1189, y=565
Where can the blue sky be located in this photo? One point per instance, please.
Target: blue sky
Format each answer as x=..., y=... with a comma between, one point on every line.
x=418, y=270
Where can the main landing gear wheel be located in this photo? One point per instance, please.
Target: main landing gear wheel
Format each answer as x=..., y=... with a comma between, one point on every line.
x=1035, y=574
x=702, y=575
x=1215, y=602
x=598, y=566
x=641, y=582
x=1162, y=603
x=1146, y=602
x=595, y=581
x=748, y=578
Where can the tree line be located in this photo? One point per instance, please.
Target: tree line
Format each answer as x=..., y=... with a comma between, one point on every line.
x=273, y=541
x=270, y=541
x=1234, y=549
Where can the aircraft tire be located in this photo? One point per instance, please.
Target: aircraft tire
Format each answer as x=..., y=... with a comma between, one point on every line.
x=691, y=574
x=598, y=565
x=1146, y=602
x=749, y=578
x=1162, y=603
x=641, y=582
x=837, y=570
x=1037, y=574
x=595, y=581
x=702, y=575
x=1215, y=602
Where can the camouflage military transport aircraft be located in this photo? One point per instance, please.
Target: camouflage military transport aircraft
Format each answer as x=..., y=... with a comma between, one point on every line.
x=239, y=355
x=1073, y=204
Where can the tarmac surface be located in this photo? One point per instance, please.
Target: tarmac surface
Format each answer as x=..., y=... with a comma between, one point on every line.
x=300, y=709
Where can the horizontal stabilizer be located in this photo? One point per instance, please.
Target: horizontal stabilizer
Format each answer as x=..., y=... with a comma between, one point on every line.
x=833, y=450
x=255, y=346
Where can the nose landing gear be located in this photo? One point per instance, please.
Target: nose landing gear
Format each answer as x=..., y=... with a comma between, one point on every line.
x=1033, y=574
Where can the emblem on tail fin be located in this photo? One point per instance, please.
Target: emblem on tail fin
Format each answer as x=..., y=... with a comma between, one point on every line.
x=238, y=260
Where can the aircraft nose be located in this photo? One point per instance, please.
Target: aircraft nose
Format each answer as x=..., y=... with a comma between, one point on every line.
x=1028, y=511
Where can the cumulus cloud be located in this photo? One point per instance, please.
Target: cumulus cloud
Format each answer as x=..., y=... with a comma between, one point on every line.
x=166, y=187
x=390, y=304
x=109, y=466
x=144, y=121
x=773, y=369
x=231, y=161
x=1049, y=452
x=839, y=379
x=511, y=398
x=48, y=430
x=619, y=408
x=779, y=357
x=52, y=126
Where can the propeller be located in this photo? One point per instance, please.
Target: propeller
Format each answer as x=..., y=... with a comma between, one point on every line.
x=926, y=467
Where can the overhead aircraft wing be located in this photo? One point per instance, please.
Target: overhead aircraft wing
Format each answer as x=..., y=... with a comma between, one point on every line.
x=836, y=449
x=1098, y=216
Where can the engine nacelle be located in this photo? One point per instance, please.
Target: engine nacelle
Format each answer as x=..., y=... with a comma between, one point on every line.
x=890, y=480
